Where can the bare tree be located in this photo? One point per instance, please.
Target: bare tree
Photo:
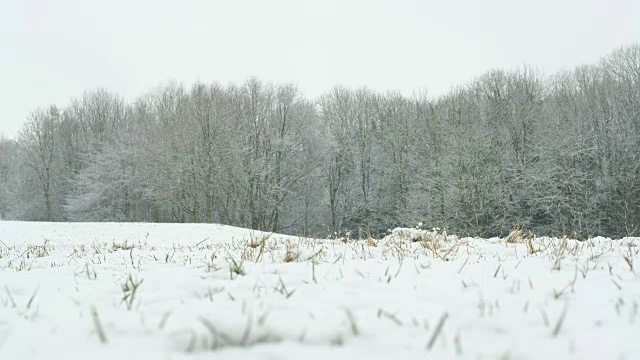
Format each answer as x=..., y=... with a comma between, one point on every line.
x=39, y=144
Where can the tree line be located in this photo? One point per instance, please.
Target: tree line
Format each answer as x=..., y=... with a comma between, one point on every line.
x=555, y=154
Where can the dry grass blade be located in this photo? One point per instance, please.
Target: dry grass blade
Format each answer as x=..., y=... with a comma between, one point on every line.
x=352, y=322
x=263, y=242
x=516, y=235
x=558, y=327
x=247, y=329
x=464, y=264
x=616, y=284
x=390, y=316
x=290, y=255
x=129, y=291
x=497, y=270
x=530, y=247
x=13, y=302
x=437, y=330
x=98, y=325
x=5, y=245
x=628, y=258
x=33, y=296
x=164, y=319
x=214, y=332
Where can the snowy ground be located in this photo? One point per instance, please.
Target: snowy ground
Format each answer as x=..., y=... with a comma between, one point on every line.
x=160, y=291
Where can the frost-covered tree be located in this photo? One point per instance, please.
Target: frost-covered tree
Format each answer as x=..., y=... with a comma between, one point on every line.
x=557, y=155
x=39, y=144
x=8, y=177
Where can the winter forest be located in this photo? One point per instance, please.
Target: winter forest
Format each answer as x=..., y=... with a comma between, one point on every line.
x=556, y=154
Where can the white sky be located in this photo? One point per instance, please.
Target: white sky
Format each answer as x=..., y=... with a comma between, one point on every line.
x=51, y=51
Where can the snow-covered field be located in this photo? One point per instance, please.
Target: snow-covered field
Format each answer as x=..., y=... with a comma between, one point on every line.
x=165, y=291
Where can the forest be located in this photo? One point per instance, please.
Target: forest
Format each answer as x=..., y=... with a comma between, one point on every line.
x=555, y=154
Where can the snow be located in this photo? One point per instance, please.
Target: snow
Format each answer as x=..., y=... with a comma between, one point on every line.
x=210, y=291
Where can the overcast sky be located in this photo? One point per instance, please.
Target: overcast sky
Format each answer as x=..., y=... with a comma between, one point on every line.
x=51, y=51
